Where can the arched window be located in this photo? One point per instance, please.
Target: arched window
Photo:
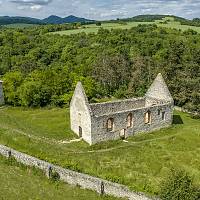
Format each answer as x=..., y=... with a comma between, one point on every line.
x=110, y=124
x=129, y=120
x=147, y=117
x=163, y=115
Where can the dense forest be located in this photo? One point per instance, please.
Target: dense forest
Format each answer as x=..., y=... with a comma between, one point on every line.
x=194, y=22
x=152, y=18
x=4, y=20
x=41, y=69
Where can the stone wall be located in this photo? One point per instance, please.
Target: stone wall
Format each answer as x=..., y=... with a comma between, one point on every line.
x=107, y=108
x=185, y=110
x=1, y=93
x=80, y=117
x=99, y=124
x=74, y=178
x=93, y=118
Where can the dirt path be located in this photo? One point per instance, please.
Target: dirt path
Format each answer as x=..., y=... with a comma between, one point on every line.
x=126, y=144
x=42, y=139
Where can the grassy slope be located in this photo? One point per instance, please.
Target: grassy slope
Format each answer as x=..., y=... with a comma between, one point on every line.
x=19, y=182
x=94, y=29
x=141, y=163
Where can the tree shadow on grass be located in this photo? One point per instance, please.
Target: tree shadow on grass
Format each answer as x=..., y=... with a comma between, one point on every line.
x=177, y=119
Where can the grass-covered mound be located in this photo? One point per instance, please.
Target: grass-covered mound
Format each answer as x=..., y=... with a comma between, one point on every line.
x=142, y=163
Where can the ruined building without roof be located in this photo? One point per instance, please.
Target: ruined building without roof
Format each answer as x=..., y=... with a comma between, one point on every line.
x=120, y=119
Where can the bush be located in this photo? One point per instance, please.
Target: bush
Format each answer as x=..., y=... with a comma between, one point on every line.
x=197, y=116
x=115, y=179
x=55, y=176
x=98, y=23
x=179, y=186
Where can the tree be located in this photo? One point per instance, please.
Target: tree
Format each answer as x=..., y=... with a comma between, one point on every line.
x=98, y=23
x=179, y=186
x=12, y=82
x=111, y=71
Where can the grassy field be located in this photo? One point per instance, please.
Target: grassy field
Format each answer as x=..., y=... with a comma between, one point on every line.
x=94, y=29
x=141, y=163
x=20, y=182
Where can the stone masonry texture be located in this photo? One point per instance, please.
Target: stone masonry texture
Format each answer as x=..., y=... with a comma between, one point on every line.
x=90, y=121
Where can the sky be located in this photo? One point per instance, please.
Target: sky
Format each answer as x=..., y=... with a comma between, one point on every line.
x=99, y=9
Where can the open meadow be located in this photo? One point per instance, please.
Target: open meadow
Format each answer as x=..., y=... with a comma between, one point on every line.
x=141, y=163
x=92, y=28
x=20, y=182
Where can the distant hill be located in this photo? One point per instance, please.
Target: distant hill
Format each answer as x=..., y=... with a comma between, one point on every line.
x=5, y=20
x=53, y=19
x=151, y=18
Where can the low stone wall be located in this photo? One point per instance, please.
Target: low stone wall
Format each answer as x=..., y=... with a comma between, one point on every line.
x=74, y=178
x=185, y=110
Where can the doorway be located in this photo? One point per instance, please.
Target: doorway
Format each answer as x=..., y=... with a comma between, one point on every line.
x=80, y=131
x=123, y=134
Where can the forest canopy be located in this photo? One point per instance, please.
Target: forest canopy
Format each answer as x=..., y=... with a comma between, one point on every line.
x=40, y=69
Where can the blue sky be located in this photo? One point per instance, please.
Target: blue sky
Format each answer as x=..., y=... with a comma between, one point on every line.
x=99, y=9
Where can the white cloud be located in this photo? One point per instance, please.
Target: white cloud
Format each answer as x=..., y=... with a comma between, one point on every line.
x=36, y=7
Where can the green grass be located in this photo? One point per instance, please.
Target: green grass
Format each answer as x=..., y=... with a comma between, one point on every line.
x=94, y=29
x=141, y=164
x=20, y=182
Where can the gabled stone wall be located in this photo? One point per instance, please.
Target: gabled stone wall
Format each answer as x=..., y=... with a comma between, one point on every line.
x=80, y=116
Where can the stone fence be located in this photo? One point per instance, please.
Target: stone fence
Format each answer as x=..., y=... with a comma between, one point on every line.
x=185, y=110
x=74, y=178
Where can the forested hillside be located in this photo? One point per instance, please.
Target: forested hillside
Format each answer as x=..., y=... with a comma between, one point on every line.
x=41, y=69
x=4, y=20
x=152, y=18
x=53, y=19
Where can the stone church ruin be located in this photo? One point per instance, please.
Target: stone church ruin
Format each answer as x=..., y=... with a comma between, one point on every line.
x=98, y=122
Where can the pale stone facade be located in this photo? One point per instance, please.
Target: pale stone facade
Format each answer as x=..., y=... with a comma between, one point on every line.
x=120, y=119
x=1, y=93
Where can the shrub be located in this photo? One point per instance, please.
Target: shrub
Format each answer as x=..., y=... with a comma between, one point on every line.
x=179, y=186
x=98, y=23
x=55, y=176
x=115, y=179
x=197, y=116
x=73, y=166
